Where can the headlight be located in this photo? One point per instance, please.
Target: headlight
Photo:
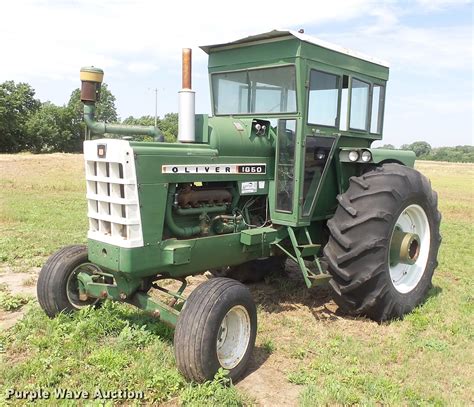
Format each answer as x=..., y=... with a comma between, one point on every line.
x=353, y=155
x=366, y=156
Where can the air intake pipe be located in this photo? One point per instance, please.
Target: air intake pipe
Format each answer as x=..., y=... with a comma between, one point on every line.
x=91, y=80
x=186, y=126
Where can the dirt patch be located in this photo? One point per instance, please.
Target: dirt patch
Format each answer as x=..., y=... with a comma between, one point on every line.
x=267, y=383
x=17, y=283
x=20, y=283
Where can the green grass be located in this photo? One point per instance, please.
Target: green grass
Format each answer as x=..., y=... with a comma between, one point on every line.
x=12, y=302
x=113, y=347
x=426, y=359
x=42, y=207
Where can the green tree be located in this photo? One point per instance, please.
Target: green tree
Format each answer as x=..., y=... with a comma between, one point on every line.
x=52, y=128
x=141, y=121
x=169, y=127
x=463, y=154
x=105, y=107
x=420, y=148
x=17, y=104
x=388, y=147
x=106, y=111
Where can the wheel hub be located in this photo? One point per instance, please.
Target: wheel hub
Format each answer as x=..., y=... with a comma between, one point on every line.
x=75, y=288
x=409, y=248
x=233, y=337
x=404, y=248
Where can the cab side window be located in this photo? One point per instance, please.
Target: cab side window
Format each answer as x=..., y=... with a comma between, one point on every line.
x=323, y=98
x=378, y=96
x=359, y=105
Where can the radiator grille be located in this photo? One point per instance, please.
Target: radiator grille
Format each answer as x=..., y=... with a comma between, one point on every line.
x=112, y=194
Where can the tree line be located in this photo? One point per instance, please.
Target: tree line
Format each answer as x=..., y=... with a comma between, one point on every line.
x=424, y=151
x=27, y=124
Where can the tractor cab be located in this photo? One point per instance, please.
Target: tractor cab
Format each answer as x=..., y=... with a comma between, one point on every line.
x=317, y=97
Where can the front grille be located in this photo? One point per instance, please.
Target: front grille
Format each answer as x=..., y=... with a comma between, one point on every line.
x=112, y=194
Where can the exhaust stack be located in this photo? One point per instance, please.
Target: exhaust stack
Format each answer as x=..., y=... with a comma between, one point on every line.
x=186, y=130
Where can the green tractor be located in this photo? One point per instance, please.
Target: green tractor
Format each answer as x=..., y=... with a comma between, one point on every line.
x=283, y=169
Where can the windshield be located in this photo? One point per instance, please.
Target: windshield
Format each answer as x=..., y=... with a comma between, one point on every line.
x=269, y=90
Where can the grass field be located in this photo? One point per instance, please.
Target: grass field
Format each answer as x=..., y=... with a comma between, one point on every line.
x=304, y=347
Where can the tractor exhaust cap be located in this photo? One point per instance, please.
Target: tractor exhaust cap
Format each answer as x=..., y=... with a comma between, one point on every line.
x=186, y=109
x=91, y=80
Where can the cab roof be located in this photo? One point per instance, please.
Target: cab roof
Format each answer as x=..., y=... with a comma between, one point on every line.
x=283, y=34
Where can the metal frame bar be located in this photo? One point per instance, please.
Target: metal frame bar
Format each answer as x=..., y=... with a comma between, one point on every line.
x=126, y=291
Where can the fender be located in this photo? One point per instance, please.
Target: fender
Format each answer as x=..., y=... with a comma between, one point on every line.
x=380, y=156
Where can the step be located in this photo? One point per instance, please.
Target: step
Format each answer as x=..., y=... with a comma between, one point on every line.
x=307, y=250
x=319, y=279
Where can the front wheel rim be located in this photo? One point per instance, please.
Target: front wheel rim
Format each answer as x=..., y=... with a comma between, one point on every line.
x=72, y=287
x=412, y=220
x=233, y=337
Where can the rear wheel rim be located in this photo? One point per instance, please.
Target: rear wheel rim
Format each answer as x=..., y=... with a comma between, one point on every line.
x=233, y=337
x=405, y=277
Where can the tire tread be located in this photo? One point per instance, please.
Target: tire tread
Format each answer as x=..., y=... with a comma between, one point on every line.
x=360, y=235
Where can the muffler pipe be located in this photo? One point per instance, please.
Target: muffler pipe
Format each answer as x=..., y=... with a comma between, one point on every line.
x=187, y=67
x=186, y=109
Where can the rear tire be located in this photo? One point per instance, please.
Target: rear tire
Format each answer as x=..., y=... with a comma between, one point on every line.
x=358, y=251
x=57, y=287
x=216, y=329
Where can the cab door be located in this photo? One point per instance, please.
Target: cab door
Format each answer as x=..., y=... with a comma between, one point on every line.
x=284, y=203
x=319, y=141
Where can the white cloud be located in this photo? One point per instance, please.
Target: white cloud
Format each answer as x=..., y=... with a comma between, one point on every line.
x=431, y=51
x=441, y=4
x=141, y=67
x=386, y=18
x=53, y=39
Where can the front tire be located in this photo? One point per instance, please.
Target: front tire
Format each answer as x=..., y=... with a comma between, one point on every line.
x=216, y=329
x=376, y=206
x=57, y=288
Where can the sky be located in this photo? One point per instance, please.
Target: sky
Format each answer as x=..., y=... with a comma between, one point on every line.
x=428, y=43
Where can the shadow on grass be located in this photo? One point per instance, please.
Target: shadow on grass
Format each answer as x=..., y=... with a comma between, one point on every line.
x=434, y=291
x=151, y=324
x=258, y=358
x=289, y=292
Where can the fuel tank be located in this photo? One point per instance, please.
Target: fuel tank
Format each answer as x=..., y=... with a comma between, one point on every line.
x=241, y=137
